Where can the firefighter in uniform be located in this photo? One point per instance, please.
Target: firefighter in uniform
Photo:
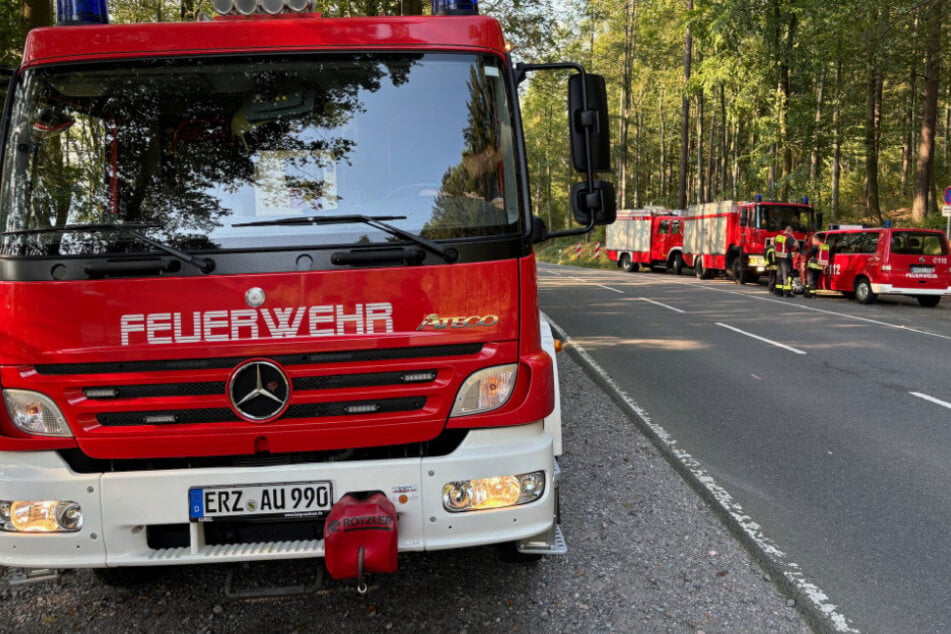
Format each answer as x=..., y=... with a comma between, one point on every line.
x=769, y=252
x=817, y=258
x=785, y=244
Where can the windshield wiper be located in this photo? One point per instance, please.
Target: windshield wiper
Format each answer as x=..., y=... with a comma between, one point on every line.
x=377, y=222
x=205, y=265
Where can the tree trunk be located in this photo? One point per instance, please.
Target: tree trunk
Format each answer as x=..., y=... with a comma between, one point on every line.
x=34, y=13
x=929, y=111
x=626, y=77
x=814, y=160
x=872, y=206
x=685, y=118
x=836, y=141
x=699, y=180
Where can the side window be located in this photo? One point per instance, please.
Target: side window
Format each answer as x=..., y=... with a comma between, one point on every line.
x=934, y=245
x=676, y=230
x=866, y=243
x=664, y=227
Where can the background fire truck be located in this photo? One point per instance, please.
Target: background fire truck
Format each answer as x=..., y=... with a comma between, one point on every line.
x=651, y=238
x=269, y=292
x=730, y=237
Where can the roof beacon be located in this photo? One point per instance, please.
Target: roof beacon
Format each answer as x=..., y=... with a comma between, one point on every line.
x=455, y=7
x=77, y=12
x=269, y=7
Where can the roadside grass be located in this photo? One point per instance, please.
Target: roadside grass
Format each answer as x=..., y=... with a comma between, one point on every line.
x=567, y=252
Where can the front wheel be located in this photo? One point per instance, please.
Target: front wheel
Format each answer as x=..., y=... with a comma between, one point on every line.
x=863, y=291
x=739, y=275
x=676, y=264
x=928, y=301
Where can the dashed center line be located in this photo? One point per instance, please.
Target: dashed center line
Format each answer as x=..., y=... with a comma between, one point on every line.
x=931, y=399
x=763, y=339
x=656, y=303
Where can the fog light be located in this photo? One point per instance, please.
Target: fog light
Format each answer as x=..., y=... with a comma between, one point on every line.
x=40, y=516
x=493, y=493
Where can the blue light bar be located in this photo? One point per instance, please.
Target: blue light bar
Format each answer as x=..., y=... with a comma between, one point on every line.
x=72, y=12
x=455, y=7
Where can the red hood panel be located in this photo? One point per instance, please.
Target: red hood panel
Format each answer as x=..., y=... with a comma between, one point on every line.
x=146, y=319
x=145, y=368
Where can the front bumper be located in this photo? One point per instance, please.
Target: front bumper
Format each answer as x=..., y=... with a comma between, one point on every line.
x=118, y=508
x=889, y=289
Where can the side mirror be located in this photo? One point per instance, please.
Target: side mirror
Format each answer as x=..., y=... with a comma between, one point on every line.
x=598, y=203
x=591, y=116
x=539, y=230
x=744, y=217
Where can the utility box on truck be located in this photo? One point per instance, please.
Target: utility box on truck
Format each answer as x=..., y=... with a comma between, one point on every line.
x=269, y=292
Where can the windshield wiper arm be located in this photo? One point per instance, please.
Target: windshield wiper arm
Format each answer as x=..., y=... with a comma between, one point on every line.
x=377, y=222
x=205, y=265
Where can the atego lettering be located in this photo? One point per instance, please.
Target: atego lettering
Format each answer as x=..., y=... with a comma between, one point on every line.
x=441, y=323
x=212, y=326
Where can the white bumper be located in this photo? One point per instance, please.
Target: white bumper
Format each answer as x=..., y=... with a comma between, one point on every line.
x=888, y=289
x=118, y=506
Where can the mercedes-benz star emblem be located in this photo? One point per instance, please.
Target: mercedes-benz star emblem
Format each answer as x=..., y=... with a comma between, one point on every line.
x=255, y=297
x=259, y=391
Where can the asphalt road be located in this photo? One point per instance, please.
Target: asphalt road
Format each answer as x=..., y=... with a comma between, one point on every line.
x=827, y=421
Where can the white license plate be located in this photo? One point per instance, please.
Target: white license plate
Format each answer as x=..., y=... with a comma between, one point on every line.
x=922, y=269
x=289, y=499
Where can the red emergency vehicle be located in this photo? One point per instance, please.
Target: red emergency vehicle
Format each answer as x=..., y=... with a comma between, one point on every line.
x=269, y=292
x=865, y=263
x=651, y=238
x=730, y=237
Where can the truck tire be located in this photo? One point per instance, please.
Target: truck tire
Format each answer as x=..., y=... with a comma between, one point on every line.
x=928, y=301
x=676, y=264
x=739, y=275
x=627, y=264
x=702, y=273
x=863, y=291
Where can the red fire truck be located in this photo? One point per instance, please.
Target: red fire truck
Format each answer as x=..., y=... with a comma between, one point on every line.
x=651, y=238
x=269, y=292
x=730, y=237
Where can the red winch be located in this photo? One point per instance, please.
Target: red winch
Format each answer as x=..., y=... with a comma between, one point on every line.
x=360, y=537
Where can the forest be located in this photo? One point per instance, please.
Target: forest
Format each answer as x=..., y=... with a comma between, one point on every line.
x=846, y=103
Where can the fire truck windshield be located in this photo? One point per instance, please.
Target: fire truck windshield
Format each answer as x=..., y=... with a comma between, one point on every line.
x=211, y=150
x=777, y=217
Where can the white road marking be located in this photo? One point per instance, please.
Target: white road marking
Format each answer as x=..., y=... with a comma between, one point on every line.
x=792, y=303
x=731, y=507
x=651, y=301
x=610, y=289
x=763, y=339
x=931, y=399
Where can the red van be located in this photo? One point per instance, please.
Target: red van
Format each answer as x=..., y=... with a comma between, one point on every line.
x=865, y=263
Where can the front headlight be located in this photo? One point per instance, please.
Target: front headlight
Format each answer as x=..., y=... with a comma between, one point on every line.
x=493, y=493
x=40, y=516
x=34, y=413
x=485, y=390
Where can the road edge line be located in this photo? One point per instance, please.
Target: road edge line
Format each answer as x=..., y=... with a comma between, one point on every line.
x=813, y=604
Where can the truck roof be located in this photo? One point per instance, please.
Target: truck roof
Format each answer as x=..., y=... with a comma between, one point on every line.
x=261, y=35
